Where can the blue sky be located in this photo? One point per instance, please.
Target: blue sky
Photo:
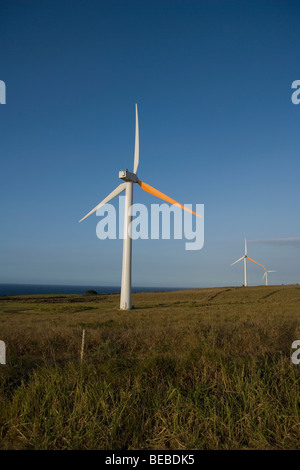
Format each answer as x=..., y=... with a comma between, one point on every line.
x=212, y=80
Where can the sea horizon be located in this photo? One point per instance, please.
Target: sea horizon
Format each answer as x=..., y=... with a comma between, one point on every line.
x=55, y=289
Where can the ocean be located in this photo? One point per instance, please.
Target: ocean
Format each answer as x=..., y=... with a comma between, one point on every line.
x=35, y=289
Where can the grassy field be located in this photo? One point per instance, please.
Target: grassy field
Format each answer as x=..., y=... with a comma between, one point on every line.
x=195, y=369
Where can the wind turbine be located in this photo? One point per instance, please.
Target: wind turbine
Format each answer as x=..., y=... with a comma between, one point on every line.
x=245, y=257
x=266, y=275
x=129, y=179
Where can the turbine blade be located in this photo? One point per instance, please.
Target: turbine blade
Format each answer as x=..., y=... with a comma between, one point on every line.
x=250, y=259
x=149, y=189
x=238, y=260
x=137, y=142
x=245, y=247
x=113, y=194
x=272, y=271
x=264, y=275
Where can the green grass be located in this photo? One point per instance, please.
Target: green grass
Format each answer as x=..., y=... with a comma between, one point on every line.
x=196, y=369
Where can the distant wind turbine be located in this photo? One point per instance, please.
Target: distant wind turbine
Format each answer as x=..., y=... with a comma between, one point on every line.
x=266, y=275
x=245, y=257
x=130, y=178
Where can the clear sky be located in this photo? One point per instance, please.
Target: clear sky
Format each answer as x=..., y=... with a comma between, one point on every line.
x=212, y=80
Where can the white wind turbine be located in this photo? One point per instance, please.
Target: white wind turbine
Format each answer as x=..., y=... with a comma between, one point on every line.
x=130, y=178
x=245, y=257
x=266, y=275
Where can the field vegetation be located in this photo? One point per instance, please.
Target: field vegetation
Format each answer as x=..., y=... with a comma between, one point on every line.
x=193, y=369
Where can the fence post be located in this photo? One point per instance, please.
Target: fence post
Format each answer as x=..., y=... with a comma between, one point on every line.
x=82, y=345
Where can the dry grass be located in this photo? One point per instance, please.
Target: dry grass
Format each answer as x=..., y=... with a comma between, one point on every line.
x=196, y=369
